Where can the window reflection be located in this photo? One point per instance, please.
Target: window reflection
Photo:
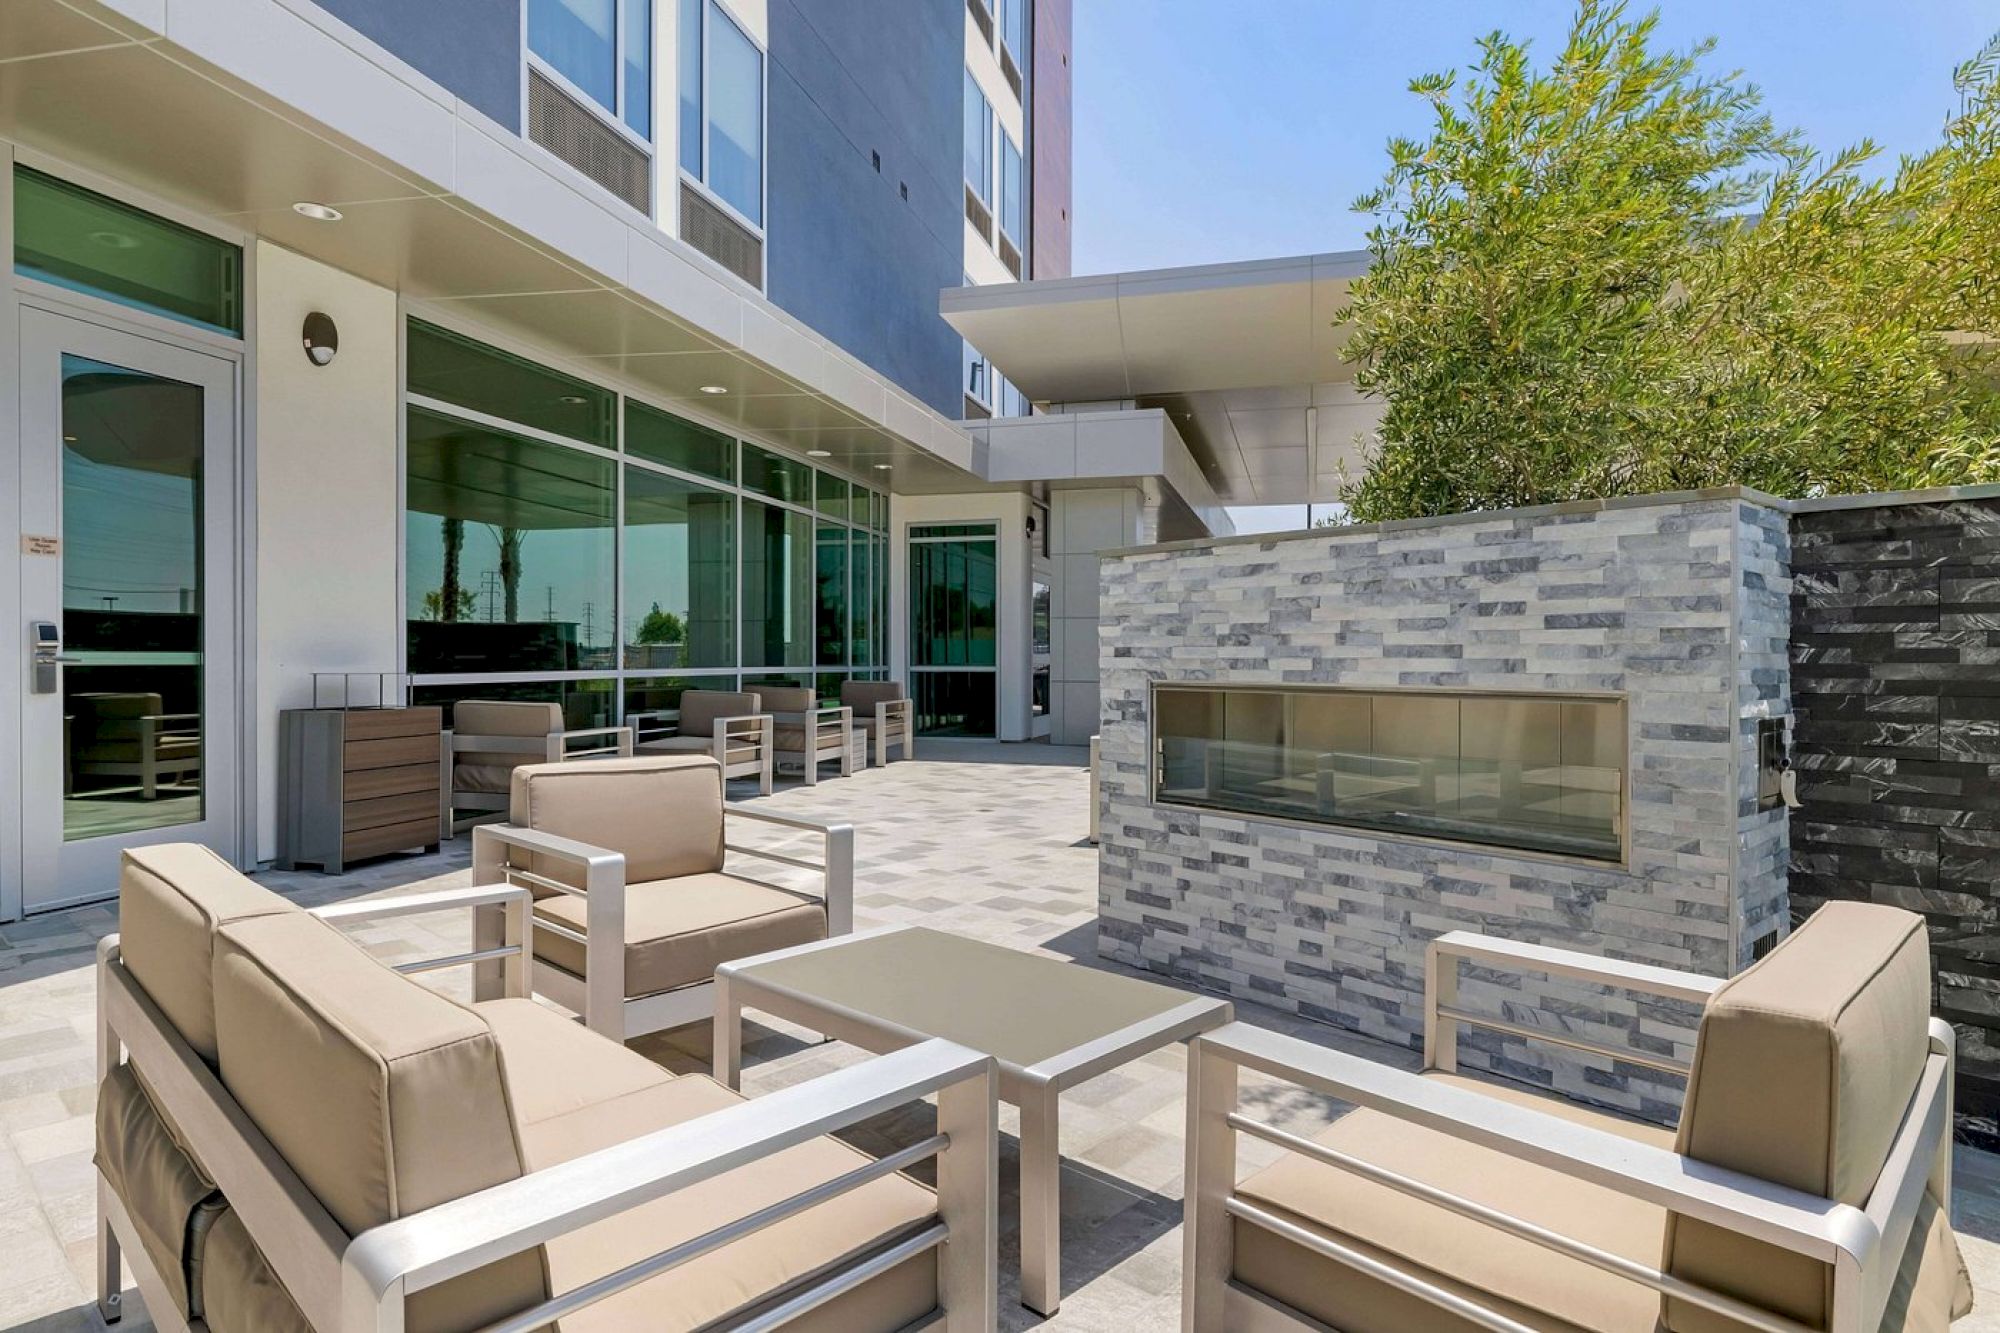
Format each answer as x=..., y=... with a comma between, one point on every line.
x=509, y=551
x=778, y=606
x=1539, y=773
x=680, y=573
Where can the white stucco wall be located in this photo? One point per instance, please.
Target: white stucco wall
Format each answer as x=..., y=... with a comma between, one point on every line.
x=325, y=457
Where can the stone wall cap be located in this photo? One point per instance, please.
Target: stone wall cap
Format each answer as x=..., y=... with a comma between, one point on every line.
x=1742, y=493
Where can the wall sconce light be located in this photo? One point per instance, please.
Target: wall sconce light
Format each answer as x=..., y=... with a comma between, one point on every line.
x=321, y=338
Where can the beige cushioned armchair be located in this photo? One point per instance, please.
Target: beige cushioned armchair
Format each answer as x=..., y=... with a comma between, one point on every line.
x=730, y=726
x=807, y=731
x=634, y=909
x=883, y=713
x=490, y=738
x=1806, y=1187
x=292, y=1136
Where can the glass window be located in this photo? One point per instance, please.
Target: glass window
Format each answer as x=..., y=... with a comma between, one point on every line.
x=955, y=703
x=690, y=63
x=1014, y=30
x=978, y=141
x=1013, y=191
x=585, y=40
x=954, y=530
x=1542, y=773
x=866, y=573
x=508, y=551
x=831, y=497
x=680, y=573
x=662, y=437
x=74, y=238
x=778, y=601
x=775, y=475
x=832, y=595
x=735, y=118
x=460, y=370
x=954, y=602
x=978, y=382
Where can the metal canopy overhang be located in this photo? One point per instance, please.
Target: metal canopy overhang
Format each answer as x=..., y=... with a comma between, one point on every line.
x=1245, y=357
x=235, y=109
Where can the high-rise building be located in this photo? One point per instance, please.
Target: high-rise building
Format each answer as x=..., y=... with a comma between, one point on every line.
x=574, y=350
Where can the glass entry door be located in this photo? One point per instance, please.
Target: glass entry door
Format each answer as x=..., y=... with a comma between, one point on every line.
x=128, y=593
x=954, y=628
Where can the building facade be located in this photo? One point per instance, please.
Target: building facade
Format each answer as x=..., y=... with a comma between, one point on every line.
x=577, y=350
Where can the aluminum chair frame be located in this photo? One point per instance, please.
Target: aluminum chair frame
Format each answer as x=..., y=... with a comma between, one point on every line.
x=599, y=995
x=742, y=744
x=364, y=1284
x=1864, y=1245
x=826, y=729
x=895, y=724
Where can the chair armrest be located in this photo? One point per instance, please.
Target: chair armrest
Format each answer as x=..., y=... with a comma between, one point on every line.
x=516, y=949
x=1791, y=1219
x=837, y=867
x=388, y=1264
x=733, y=726
x=1442, y=1014
x=621, y=741
x=603, y=892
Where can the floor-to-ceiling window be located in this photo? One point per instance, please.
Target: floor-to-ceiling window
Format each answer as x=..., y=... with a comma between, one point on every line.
x=954, y=628
x=566, y=543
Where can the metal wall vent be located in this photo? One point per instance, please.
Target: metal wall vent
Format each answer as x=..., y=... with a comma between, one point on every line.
x=1010, y=255
x=721, y=237
x=979, y=215
x=579, y=136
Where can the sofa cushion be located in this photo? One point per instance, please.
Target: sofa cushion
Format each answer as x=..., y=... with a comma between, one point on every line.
x=1535, y=1286
x=863, y=695
x=488, y=778
x=785, y=699
x=554, y=1066
x=663, y=812
x=240, y=1293
x=701, y=709
x=171, y=899
x=678, y=931
x=171, y=1201
x=386, y=1098
x=1803, y=1068
x=506, y=717
x=703, y=1289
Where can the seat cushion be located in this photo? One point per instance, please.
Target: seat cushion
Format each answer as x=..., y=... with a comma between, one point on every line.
x=663, y=812
x=171, y=900
x=1804, y=1066
x=679, y=745
x=385, y=1097
x=678, y=931
x=1539, y=1288
x=700, y=1291
x=239, y=1292
x=554, y=1066
x=171, y=1201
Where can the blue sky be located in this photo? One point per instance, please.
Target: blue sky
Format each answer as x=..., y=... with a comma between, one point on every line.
x=1208, y=132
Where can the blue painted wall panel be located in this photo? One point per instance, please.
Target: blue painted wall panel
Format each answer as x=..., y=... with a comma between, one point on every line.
x=846, y=252
x=472, y=47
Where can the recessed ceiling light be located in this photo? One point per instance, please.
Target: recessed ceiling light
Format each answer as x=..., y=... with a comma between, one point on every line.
x=713, y=388
x=881, y=467
x=306, y=208
x=819, y=453
x=573, y=399
x=69, y=439
x=116, y=240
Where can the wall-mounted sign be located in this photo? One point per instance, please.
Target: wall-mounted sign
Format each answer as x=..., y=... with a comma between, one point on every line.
x=33, y=543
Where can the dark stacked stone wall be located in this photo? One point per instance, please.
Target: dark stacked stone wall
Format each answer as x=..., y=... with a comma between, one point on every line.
x=1896, y=680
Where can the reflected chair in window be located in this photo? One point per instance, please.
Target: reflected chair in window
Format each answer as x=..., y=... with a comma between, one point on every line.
x=131, y=736
x=1807, y=1185
x=721, y=723
x=806, y=731
x=882, y=713
x=634, y=910
x=490, y=738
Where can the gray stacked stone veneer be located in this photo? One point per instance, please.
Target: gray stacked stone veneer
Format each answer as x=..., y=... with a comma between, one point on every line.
x=1896, y=669
x=1680, y=603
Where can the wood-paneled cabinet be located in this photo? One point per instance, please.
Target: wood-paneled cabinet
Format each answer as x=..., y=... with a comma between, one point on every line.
x=358, y=782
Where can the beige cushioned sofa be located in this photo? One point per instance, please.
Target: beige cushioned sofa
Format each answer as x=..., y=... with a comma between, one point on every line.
x=292, y=1111
x=1818, y=1097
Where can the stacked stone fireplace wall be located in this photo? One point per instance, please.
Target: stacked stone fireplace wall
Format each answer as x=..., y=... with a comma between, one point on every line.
x=1678, y=604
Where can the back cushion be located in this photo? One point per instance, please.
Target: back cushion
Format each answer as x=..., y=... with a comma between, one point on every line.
x=1803, y=1069
x=785, y=699
x=701, y=709
x=664, y=813
x=865, y=694
x=385, y=1097
x=171, y=900
x=505, y=717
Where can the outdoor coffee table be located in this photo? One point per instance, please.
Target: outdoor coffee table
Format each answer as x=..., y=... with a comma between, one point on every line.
x=1050, y=1024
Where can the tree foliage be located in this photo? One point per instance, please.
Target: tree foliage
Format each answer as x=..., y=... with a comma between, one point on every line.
x=1617, y=276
